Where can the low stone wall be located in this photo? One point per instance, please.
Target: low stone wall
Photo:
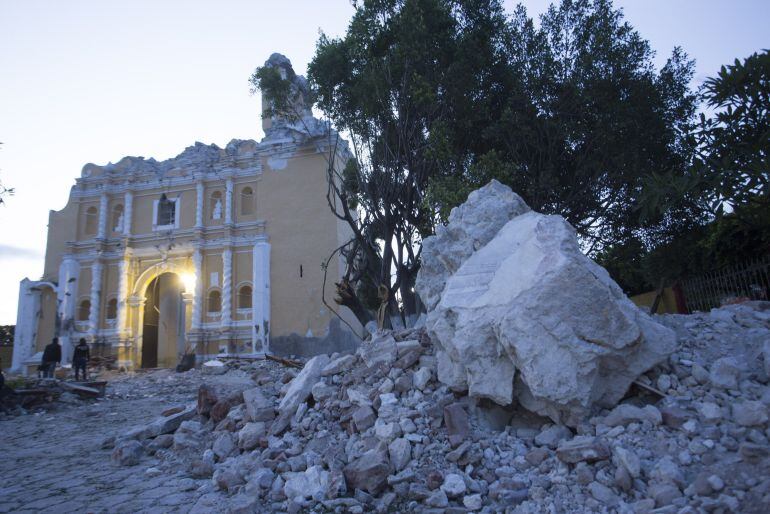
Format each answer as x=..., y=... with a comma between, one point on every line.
x=338, y=339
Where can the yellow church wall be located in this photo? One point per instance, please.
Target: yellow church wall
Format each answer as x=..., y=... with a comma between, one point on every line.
x=84, y=283
x=109, y=290
x=63, y=227
x=242, y=274
x=289, y=202
x=82, y=219
x=187, y=208
x=142, y=211
x=47, y=320
x=302, y=233
x=238, y=199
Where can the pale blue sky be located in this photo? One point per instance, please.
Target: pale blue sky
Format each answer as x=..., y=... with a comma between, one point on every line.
x=91, y=81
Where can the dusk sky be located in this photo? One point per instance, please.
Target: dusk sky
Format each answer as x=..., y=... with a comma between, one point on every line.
x=93, y=81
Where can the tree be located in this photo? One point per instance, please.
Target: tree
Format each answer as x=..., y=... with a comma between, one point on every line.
x=591, y=119
x=439, y=96
x=735, y=142
x=395, y=84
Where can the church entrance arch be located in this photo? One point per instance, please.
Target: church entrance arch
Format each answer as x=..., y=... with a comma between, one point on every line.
x=161, y=302
x=163, y=328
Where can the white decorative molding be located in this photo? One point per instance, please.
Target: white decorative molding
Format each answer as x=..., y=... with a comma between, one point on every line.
x=227, y=286
x=260, y=302
x=124, y=267
x=170, y=226
x=199, y=200
x=103, y=214
x=229, y=201
x=69, y=273
x=198, y=299
x=128, y=211
x=93, y=186
x=96, y=292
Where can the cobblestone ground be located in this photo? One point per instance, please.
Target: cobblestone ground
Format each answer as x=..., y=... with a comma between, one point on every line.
x=51, y=461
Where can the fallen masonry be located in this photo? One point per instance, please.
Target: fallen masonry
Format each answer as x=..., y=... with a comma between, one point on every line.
x=364, y=446
x=519, y=395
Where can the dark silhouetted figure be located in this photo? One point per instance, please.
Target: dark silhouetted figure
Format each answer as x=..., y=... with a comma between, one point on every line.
x=51, y=357
x=80, y=358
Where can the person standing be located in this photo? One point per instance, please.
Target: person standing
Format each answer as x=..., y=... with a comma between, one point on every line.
x=51, y=357
x=80, y=358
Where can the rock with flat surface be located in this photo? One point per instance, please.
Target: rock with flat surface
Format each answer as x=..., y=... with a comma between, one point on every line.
x=258, y=407
x=750, y=413
x=380, y=351
x=552, y=436
x=400, y=451
x=299, y=390
x=250, y=434
x=454, y=485
x=457, y=425
x=471, y=225
x=725, y=373
x=127, y=453
x=583, y=449
x=338, y=365
x=312, y=483
x=368, y=473
x=625, y=414
x=527, y=316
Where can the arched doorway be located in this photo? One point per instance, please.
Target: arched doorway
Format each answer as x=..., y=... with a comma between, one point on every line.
x=163, y=329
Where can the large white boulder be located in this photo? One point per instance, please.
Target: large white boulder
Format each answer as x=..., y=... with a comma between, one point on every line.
x=471, y=226
x=528, y=317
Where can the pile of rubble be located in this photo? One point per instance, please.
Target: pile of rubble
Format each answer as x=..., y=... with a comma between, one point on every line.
x=29, y=394
x=535, y=386
x=378, y=431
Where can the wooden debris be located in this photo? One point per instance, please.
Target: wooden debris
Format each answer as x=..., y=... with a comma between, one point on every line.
x=285, y=362
x=649, y=388
x=80, y=390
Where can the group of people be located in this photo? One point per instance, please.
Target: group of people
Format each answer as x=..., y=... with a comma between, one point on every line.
x=52, y=357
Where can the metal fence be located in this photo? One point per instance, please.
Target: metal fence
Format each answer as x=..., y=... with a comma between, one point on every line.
x=748, y=280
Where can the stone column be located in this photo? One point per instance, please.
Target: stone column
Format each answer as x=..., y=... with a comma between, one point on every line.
x=229, y=201
x=197, y=306
x=66, y=296
x=132, y=358
x=128, y=210
x=124, y=266
x=260, y=301
x=103, y=215
x=199, y=203
x=96, y=294
x=23, y=340
x=227, y=286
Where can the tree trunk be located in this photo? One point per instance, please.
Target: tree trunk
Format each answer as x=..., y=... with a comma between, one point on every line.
x=346, y=297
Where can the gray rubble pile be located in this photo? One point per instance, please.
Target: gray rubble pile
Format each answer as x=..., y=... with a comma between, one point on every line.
x=521, y=314
x=377, y=431
x=535, y=386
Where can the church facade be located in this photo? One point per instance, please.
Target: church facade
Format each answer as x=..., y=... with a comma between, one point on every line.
x=215, y=250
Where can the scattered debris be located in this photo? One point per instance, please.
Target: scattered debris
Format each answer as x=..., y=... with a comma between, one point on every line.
x=362, y=437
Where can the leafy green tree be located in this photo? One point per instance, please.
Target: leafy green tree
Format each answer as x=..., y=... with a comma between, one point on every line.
x=437, y=97
x=401, y=85
x=589, y=121
x=736, y=140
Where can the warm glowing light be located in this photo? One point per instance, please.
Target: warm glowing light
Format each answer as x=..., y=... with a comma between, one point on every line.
x=188, y=279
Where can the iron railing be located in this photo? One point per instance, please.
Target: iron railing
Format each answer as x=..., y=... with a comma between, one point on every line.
x=747, y=280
